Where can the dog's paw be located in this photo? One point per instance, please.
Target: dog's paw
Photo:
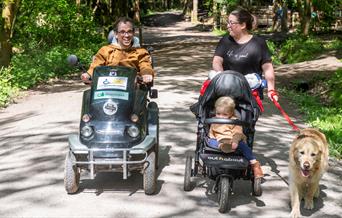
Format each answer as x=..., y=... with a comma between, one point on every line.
x=295, y=214
x=308, y=204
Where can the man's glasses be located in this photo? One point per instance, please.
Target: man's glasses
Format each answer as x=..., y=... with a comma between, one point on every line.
x=128, y=33
x=229, y=22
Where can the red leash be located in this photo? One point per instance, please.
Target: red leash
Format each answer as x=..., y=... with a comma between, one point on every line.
x=283, y=112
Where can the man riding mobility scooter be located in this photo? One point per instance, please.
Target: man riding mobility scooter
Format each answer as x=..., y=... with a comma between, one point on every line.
x=119, y=128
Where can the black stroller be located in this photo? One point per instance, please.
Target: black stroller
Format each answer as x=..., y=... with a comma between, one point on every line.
x=221, y=167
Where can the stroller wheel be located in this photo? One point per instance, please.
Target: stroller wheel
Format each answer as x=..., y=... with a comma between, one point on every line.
x=223, y=194
x=187, y=175
x=256, y=186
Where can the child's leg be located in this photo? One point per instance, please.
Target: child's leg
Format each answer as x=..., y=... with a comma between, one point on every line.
x=247, y=152
x=213, y=143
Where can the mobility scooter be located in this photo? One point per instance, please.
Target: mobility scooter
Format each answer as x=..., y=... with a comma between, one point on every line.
x=118, y=130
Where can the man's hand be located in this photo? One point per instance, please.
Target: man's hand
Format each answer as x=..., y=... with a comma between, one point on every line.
x=147, y=78
x=85, y=77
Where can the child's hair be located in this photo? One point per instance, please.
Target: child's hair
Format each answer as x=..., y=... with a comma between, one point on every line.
x=225, y=104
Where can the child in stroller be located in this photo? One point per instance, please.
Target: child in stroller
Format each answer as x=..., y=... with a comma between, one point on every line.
x=224, y=168
x=230, y=137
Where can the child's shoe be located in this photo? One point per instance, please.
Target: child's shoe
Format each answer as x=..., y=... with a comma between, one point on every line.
x=257, y=171
x=225, y=145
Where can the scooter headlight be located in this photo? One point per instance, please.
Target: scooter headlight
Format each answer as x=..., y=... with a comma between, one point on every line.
x=134, y=118
x=86, y=131
x=86, y=118
x=133, y=131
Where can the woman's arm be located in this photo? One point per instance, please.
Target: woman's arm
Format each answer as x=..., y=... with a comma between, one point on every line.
x=217, y=63
x=270, y=77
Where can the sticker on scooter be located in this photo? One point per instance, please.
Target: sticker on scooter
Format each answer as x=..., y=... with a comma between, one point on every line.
x=112, y=83
x=111, y=94
x=110, y=108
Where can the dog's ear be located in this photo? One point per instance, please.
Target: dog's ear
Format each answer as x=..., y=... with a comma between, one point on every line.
x=293, y=153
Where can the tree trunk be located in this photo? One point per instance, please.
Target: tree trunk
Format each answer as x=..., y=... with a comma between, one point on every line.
x=194, y=16
x=7, y=19
x=216, y=14
x=137, y=19
x=284, y=18
x=306, y=17
x=186, y=7
x=304, y=9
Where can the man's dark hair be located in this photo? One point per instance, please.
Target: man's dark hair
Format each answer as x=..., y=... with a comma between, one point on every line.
x=123, y=20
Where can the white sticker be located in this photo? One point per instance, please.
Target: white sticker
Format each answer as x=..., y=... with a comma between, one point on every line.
x=111, y=94
x=108, y=82
x=110, y=108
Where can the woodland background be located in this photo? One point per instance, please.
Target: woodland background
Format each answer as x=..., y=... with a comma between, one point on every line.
x=36, y=36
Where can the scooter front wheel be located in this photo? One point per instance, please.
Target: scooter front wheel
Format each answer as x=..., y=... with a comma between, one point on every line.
x=150, y=183
x=72, y=174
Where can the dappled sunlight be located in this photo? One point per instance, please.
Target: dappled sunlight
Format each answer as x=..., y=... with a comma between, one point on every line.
x=33, y=145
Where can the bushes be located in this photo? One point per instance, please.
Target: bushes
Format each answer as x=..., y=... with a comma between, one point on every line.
x=335, y=87
x=45, y=33
x=318, y=114
x=42, y=23
x=298, y=48
x=7, y=91
x=36, y=66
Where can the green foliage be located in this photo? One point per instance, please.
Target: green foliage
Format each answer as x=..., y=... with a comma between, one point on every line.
x=335, y=87
x=46, y=32
x=326, y=118
x=47, y=23
x=33, y=67
x=6, y=89
x=218, y=32
x=273, y=50
x=297, y=49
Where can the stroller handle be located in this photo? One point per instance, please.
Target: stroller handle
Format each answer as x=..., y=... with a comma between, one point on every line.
x=226, y=121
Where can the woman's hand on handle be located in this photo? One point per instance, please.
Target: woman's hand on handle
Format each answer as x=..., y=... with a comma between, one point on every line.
x=273, y=95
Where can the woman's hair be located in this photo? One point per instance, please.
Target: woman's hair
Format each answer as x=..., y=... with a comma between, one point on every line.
x=123, y=20
x=225, y=104
x=243, y=16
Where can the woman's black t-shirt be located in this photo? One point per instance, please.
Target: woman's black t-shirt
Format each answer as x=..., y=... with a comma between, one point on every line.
x=244, y=58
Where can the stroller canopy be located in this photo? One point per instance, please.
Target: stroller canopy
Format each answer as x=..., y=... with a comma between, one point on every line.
x=235, y=85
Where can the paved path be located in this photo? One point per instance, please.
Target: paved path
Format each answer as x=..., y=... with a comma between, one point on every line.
x=33, y=144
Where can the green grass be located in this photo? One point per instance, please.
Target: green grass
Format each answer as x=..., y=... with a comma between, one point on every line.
x=218, y=32
x=327, y=118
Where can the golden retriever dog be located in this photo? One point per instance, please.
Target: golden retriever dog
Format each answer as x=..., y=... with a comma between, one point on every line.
x=308, y=160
